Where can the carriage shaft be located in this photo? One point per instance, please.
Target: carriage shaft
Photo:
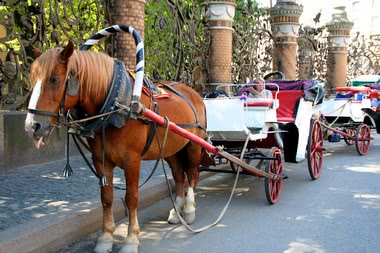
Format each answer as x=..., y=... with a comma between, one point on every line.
x=209, y=147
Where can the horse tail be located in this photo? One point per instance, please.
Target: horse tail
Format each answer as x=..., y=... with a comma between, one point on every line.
x=139, y=53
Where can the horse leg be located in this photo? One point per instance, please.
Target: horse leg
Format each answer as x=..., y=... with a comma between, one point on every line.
x=189, y=205
x=105, y=241
x=132, y=173
x=179, y=177
x=194, y=157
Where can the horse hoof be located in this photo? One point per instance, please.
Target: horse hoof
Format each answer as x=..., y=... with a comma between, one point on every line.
x=189, y=217
x=103, y=247
x=130, y=248
x=173, y=217
x=104, y=243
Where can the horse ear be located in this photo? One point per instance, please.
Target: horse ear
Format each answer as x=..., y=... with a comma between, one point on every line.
x=37, y=52
x=67, y=51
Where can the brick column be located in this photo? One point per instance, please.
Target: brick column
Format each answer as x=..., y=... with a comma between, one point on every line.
x=128, y=12
x=338, y=41
x=285, y=26
x=219, y=16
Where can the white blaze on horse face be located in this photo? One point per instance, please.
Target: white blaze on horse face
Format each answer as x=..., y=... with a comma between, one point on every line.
x=33, y=105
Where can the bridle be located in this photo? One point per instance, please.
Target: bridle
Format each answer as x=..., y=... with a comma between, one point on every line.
x=60, y=115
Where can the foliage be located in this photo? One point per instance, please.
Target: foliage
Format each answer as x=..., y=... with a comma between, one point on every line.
x=39, y=24
x=175, y=39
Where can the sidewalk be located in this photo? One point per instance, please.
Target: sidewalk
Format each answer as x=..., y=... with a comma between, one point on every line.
x=40, y=210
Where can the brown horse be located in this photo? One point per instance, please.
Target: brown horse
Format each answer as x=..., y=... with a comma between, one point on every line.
x=51, y=73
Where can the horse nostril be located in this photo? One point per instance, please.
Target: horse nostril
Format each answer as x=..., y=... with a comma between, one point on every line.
x=36, y=127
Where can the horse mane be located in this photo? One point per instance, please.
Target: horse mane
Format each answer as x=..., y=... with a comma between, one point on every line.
x=93, y=69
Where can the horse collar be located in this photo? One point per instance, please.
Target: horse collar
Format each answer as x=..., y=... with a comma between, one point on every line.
x=120, y=92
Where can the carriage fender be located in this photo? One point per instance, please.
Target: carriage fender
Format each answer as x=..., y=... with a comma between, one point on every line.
x=372, y=118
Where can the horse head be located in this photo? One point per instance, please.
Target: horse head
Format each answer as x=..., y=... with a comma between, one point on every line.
x=56, y=89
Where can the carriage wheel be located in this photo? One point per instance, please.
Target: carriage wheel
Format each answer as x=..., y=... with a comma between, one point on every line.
x=273, y=187
x=315, y=149
x=351, y=132
x=363, y=139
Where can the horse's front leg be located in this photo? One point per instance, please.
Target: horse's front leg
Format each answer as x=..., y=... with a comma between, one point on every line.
x=105, y=241
x=132, y=173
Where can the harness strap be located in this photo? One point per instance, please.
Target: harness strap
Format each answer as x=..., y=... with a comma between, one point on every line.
x=180, y=94
x=152, y=131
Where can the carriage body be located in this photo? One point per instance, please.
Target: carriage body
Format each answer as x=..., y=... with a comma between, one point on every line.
x=347, y=109
x=231, y=119
x=348, y=117
x=249, y=127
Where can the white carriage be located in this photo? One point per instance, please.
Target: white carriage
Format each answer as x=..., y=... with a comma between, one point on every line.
x=347, y=116
x=248, y=127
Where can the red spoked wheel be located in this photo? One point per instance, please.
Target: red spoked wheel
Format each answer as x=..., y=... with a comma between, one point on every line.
x=363, y=139
x=273, y=187
x=315, y=149
x=351, y=132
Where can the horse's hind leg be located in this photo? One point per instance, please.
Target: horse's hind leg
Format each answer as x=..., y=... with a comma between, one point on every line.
x=105, y=241
x=179, y=178
x=189, y=205
x=194, y=157
x=132, y=173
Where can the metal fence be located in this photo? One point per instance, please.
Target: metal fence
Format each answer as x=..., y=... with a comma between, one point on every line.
x=175, y=36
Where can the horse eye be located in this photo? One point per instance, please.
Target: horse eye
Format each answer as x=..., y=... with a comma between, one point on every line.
x=54, y=80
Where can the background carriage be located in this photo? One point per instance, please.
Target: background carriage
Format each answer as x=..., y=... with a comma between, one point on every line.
x=345, y=116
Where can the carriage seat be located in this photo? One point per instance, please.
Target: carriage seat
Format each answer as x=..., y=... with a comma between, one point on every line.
x=289, y=92
x=290, y=84
x=288, y=100
x=260, y=102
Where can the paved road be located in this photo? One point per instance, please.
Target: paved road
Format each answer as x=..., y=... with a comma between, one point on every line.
x=339, y=213
x=38, y=191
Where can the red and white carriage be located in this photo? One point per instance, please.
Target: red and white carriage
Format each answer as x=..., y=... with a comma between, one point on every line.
x=348, y=115
x=249, y=127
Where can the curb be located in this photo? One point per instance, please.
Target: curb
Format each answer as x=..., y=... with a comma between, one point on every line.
x=51, y=233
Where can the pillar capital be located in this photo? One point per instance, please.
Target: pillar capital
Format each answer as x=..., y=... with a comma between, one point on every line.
x=220, y=14
x=339, y=28
x=285, y=18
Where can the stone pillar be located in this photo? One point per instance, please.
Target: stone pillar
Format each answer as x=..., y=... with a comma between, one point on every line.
x=338, y=41
x=219, y=16
x=128, y=12
x=285, y=27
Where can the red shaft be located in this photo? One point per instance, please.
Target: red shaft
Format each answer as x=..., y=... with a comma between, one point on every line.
x=180, y=131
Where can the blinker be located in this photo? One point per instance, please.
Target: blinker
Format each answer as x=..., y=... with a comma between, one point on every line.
x=72, y=85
